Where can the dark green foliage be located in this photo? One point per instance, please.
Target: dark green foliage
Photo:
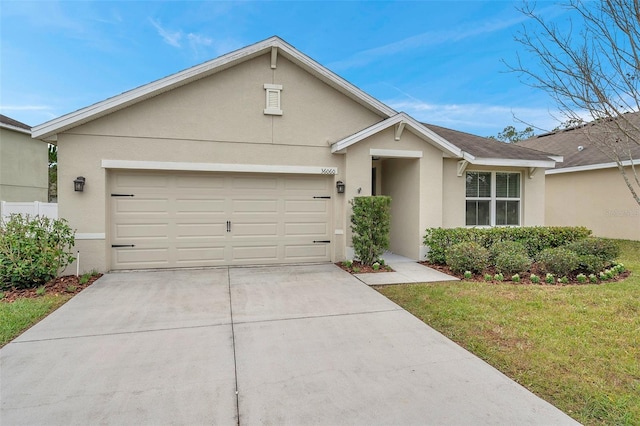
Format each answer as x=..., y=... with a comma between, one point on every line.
x=607, y=250
x=510, y=257
x=559, y=261
x=467, y=256
x=370, y=224
x=591, y=264
x=535, y=239
x=33, y=250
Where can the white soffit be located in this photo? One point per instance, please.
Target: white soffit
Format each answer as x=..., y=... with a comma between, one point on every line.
x=588, y=167
x=420, y=130
x=14, y=128
x=49, y=129
x=218, y=167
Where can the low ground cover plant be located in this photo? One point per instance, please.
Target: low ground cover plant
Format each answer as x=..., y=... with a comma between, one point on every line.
x=559, y=255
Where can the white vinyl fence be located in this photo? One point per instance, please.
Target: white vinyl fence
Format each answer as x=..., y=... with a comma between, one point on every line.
x=32, y=208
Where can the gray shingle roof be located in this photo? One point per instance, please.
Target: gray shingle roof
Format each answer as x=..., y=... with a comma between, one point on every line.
x=488, y=148
x=15, y=123
x=575, y=144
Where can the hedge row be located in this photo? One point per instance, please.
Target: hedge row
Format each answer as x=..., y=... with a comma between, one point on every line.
x=534, y=239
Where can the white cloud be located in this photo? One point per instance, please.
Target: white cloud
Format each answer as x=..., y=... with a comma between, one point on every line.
x=170, y=37
x=25, y=107
x=429, y=38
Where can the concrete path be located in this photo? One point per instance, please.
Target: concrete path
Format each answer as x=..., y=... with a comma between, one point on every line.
x=300, y=345
x=405, y=271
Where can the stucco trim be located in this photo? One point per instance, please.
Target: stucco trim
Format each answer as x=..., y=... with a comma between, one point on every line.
x=218, y=167
x=395, y=153
x=90, y=236
x=508, y=162
x=50, y=129
x=428, y=135
x=591, y=167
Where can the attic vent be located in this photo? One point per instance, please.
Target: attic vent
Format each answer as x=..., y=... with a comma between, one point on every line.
x=272, y=92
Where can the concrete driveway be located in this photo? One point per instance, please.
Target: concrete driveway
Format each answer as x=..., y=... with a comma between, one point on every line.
x=271, y=345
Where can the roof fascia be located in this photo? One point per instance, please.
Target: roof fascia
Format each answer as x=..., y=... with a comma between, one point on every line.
x=588, y=167
x=49, y=129
x=447, y=147
x=15, y=128
x=507, y=162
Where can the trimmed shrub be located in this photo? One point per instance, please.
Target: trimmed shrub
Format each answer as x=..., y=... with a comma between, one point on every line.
x=467, y=256
x=559, y=261
x=591, y=264
x=510, y=257
x=607, y=250
x=33, y=250
x=370, y=224
x=535, y=239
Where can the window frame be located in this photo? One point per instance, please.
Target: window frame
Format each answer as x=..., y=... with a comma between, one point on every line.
x=493, y=199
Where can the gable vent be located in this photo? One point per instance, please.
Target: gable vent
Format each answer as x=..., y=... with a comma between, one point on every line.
x=273, y=99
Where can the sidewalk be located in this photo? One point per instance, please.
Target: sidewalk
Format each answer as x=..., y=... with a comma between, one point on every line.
x=406, y=271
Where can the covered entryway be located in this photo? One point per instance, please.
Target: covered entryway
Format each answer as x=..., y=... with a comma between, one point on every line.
x=193, y=219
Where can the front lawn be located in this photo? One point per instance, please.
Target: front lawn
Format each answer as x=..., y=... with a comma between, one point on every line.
x=576, y=346
x=17, y=316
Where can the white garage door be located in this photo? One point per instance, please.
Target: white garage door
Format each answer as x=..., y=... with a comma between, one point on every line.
x=169, y=220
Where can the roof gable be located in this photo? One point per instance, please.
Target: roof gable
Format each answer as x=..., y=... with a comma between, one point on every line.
x=275, y=45
x=15, y=125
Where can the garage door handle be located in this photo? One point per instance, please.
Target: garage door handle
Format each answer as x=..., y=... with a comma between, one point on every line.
x=228, y=226
x=321, y=241
x=122, y=245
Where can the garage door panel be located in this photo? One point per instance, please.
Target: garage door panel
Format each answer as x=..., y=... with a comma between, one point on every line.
x=200, y=181
x=201, y=230
x=140, y=257
x=306, y=252
x=306, y=206
x=253, y=183
x=192, y=206
x=179, y=219
x=141, y=206
x=255, y=253
x=310, y=229
x=200, y=255
x=144, y=231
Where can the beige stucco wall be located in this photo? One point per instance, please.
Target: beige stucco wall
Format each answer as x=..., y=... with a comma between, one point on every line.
x=23, y=167
x=597, y=199
x=453, y=206
x=218, y=119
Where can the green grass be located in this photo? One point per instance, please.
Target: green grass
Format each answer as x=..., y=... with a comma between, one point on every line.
x=18, y=316
x=577, y=347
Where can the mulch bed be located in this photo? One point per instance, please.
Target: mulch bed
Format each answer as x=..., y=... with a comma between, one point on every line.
x=69, y=284
x=524, y=277
x=359, y=268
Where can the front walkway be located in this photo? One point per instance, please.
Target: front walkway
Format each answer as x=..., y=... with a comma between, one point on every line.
x=406, y=271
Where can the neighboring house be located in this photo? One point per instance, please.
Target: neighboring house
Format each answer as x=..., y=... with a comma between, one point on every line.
x=24, y=163
x=238, y=160
x=587, y=188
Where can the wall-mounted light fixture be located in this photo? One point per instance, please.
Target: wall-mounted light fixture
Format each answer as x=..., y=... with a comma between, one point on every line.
x=340, y=187
x=78, y=184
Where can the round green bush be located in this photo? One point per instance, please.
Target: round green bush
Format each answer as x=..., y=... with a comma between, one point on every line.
x=33, y=250
x=591, y=264
x=510, y=257
x=467, y=256
x=559, y=261
x=607, y=250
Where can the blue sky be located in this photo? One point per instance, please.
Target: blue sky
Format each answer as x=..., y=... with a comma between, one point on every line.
x=439, y=61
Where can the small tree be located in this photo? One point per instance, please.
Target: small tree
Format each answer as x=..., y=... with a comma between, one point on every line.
x=591, y=72
x=370, y=224
x=511, y=135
